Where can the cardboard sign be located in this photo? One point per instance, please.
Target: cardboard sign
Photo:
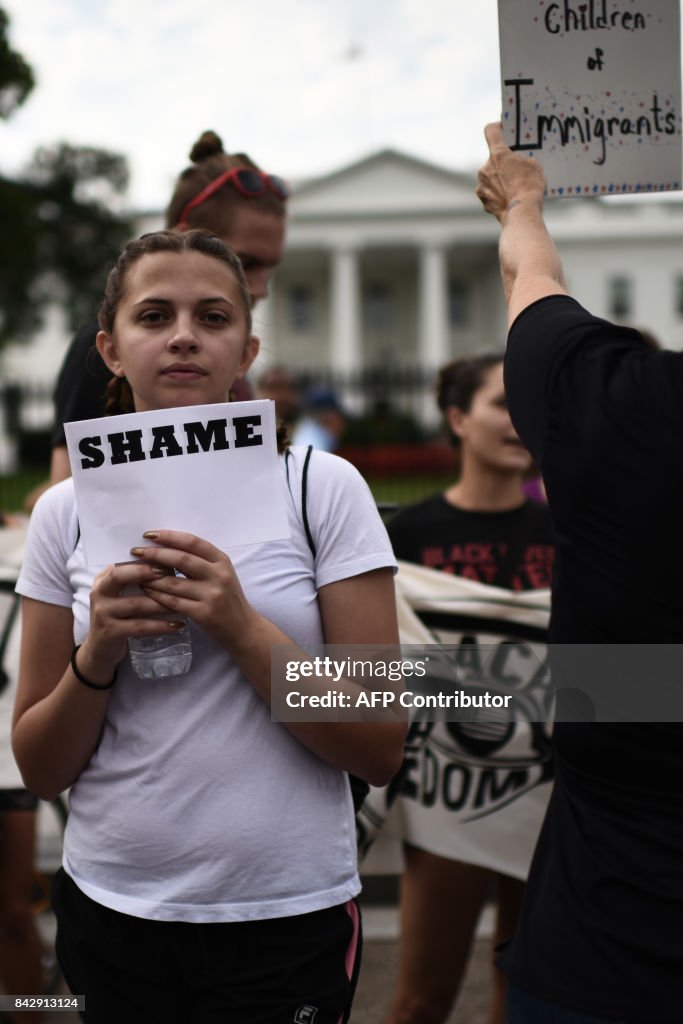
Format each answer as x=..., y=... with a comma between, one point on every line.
x=592, y=89
x=211, y=470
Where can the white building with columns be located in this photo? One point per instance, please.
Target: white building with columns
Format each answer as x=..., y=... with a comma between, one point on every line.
x=391, y=262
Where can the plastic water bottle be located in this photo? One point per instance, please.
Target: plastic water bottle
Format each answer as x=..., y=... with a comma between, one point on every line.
x=161, y=656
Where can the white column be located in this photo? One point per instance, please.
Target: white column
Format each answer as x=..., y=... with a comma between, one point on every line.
x=433, y=347
x=345, y=329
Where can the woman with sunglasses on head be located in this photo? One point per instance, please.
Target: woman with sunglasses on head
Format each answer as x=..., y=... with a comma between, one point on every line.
x=458, y=855
x=210, y=852
x=225, y=193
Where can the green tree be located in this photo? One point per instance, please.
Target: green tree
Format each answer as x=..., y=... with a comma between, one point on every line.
x=80, y=234
x=19, y=262
x=60, y=232
x=16, y=76
x=60, y=235
x=18, y=244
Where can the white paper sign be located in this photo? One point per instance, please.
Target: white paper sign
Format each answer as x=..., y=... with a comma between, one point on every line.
x=211, y=470
x=592, y=89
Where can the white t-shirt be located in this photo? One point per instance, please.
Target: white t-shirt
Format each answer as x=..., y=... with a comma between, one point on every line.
x=195, y=806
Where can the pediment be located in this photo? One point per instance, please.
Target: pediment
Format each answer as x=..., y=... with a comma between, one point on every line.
x=387, y=183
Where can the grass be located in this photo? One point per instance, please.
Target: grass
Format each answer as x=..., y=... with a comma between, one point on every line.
x=15, y=487
x=406, y=490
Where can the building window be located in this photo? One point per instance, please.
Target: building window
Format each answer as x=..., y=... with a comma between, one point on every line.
x=679, y=295
x=301, y=308
x=620, y=297
x=379, y=307
x=459, y=296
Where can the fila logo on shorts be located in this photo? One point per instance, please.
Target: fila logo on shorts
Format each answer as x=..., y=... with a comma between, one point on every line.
x=305, y=1014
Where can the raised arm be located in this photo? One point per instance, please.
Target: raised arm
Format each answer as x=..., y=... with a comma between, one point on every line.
x=512, y=187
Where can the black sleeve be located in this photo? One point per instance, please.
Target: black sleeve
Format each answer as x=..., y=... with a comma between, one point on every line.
x=80, y=392
x=553, y=334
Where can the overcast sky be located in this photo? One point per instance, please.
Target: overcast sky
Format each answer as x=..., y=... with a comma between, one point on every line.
x=303, y=86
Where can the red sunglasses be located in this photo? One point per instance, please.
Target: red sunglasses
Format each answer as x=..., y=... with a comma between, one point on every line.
x=248, y=181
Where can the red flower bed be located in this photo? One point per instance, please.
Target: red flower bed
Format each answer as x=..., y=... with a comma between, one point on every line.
x=428, y=458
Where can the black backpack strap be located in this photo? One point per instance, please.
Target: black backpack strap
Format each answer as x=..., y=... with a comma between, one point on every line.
x=304, y=497
x=359, y=787
x=288, y=455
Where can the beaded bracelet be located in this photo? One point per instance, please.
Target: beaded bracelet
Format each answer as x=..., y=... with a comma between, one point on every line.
x=82, y=679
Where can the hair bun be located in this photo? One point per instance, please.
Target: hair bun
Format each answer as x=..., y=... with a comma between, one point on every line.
x=208, y=144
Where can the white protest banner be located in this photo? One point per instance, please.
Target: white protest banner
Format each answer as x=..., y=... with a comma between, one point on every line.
x=592, y=89
x=211, y=470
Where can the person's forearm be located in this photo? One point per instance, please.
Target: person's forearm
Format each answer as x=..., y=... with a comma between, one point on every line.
x=512, y=188
x=54, y=739
x=57, y=719
x=527, y=252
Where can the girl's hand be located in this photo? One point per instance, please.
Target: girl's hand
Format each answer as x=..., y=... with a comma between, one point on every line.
x=114, y=616
x=210, y=593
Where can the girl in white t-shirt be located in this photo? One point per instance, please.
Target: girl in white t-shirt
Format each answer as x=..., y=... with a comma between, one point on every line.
x=209, y=861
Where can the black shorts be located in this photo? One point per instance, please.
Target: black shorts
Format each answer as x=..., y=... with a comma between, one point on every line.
x=288, y=970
